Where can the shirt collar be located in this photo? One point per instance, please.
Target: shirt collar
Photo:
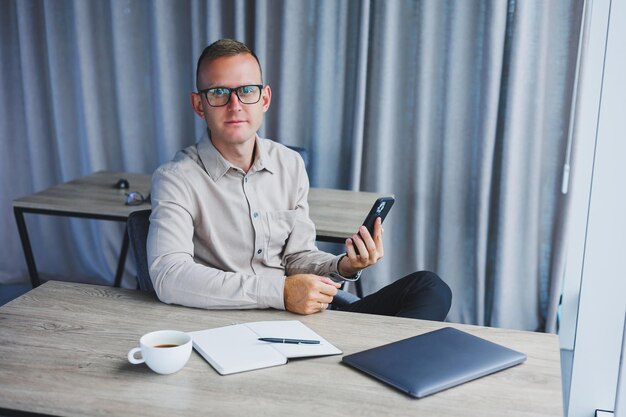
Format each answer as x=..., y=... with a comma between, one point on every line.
x=216, y=165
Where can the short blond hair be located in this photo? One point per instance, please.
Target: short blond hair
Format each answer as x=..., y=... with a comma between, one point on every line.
x=220, y=48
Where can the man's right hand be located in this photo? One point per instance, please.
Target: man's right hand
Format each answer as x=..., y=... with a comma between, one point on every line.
x=308, y=294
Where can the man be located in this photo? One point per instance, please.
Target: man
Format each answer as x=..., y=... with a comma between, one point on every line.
x=230, y=226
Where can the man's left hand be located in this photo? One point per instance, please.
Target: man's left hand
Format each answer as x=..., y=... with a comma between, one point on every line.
x=370, y=250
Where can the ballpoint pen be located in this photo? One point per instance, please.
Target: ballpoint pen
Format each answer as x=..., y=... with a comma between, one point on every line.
x=294, y=341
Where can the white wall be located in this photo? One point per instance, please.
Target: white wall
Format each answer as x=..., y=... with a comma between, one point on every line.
x=602, y=302
x=585, y=125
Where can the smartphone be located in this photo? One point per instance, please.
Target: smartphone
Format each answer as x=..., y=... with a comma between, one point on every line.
x=380, y=209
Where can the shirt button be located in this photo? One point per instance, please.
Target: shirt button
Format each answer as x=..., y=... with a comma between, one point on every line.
x=255, y=215
x=259, y=251
x=245, y=179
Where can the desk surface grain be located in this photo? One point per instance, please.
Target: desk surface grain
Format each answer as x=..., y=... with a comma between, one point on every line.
x=63, y=351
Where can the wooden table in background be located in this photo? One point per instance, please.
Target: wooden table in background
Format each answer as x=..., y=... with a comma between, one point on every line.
x=92, y=197
x=337, y=214
x=63, y=352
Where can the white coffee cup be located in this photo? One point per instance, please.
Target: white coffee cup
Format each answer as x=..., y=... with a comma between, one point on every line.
x=164, y=351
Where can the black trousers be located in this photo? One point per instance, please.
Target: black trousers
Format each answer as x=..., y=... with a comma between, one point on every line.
x=420, y=295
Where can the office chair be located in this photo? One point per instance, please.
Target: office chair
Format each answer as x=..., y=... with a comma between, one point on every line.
x=304, y=154
x=138, y=225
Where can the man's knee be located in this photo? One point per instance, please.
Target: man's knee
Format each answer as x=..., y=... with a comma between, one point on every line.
x=438, y=292
x=439, y=287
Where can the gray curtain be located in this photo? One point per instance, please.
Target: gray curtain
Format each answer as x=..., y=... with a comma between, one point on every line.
x=459, y=108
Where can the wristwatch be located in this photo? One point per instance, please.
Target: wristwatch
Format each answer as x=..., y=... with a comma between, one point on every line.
x=338, y=278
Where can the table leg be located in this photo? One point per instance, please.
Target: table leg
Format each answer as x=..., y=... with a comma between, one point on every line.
x=122, y=260
x=28, y=250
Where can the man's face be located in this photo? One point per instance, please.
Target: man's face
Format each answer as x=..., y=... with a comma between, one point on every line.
x=235, y=123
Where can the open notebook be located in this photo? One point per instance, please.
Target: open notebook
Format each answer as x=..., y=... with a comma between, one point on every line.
x=236, y=348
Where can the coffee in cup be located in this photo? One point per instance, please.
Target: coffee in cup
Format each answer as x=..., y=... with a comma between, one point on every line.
x=164, y=351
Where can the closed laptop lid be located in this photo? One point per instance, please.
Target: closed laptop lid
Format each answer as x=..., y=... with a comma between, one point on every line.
x=434, y=361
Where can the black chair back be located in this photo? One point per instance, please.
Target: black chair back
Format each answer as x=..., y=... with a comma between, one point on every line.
x=304, y=154
x=138, y=224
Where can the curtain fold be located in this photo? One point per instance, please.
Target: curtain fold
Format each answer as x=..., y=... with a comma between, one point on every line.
x=459, y=108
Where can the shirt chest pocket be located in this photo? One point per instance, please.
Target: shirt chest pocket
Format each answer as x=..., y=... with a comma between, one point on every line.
x=280, y=224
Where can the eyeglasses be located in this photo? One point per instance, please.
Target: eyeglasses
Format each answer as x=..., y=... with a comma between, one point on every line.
x=220, y=96
x=135, y=198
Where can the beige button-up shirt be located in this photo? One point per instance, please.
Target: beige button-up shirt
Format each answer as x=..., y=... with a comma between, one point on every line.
x=223, y=238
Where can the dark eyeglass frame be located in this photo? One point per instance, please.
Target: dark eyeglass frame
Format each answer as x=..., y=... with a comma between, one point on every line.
x=230, y=93
x=135, y=198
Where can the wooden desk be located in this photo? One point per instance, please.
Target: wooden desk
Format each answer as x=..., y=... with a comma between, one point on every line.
x=337, y=214
x=63, y=352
